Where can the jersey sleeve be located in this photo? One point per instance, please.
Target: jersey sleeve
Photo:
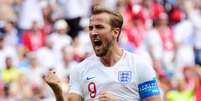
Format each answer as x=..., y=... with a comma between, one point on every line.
x=75, y=81
x=146, y=82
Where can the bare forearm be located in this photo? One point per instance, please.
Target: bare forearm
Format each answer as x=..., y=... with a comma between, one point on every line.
x=153, y=98
x=54, y=83
x=59, y=96
x=58, y=93
x=74, y=97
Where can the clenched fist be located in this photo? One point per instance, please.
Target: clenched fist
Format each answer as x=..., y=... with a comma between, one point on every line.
x=107, y=96
x=51, y=79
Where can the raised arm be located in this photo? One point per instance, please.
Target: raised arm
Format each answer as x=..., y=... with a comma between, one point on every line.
x=153, y=98
x=75, y=97
x=54, y=83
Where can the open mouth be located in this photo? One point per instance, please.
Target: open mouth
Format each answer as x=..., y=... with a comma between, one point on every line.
x=97, y=43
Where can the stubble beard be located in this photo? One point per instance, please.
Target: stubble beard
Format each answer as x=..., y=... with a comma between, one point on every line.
x=104, y=51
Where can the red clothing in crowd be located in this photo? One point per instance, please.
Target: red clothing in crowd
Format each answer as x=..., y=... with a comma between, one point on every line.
x=167, y=38
x=32, y=41
x=155, y=10
x=198, y=90
x=135, y=35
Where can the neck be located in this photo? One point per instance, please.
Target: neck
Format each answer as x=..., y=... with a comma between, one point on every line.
x=113, y=56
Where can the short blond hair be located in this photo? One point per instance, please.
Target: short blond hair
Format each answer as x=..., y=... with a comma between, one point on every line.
x=116, y=19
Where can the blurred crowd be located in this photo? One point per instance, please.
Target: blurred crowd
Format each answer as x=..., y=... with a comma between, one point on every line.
x=38, y=35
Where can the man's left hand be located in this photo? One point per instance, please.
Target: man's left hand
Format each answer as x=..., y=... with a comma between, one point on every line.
x=107, y=96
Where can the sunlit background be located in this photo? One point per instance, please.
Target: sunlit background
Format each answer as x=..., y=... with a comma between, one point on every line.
x=36, y=35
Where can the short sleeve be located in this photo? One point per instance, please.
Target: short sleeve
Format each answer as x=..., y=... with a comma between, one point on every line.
x=75, y=84
x=147, y=83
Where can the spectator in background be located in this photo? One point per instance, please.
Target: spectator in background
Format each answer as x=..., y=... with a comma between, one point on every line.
x=48, y=52
x=151, y=10
x=68, y=62
x=1, y=86
x=125, y=8
x=167, y=39
x=181, y=93
x=164, y=84
x=78, y=50
x=7, y=51
x=10, y=76
x=194, y=15
x=34, y=80
x=112, y=4
x=34, y=38
x=73, y=11
x=12, y=36
x=23, y=62
x=65, y=66
x=6, y=11
x=10, y=73
x=197, y=72
x=47, y=11
x=60, y=38
x=184, y=43
x=8, y=93
x=136, y=31
x=83, y=40
x=175, y=15
x=26, y=19
x=153, y=45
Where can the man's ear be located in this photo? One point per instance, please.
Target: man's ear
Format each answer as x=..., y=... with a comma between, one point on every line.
x=116, y=32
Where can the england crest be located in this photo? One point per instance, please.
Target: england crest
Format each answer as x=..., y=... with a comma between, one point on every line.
x=124, y=76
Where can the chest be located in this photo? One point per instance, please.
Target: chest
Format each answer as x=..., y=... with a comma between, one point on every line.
x=97, y=80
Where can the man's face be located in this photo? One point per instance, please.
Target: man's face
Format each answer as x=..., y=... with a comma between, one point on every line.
x=101, y=33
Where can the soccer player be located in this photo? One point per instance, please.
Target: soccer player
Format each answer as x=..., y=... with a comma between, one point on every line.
x=112, y=74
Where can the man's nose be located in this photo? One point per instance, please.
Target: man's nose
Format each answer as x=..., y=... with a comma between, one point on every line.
x=93, y=32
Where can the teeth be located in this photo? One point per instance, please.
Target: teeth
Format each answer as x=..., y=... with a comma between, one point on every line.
x=96, y=40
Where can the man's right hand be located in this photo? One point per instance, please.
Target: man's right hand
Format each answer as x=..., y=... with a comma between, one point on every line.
x=53, y=81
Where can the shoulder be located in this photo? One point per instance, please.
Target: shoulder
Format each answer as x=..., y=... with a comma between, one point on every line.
x=89, y=60
x=86, y=63
x=142, y=66
x=136, y=58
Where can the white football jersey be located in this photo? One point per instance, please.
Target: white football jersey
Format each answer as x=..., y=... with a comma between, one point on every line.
x=130, y=79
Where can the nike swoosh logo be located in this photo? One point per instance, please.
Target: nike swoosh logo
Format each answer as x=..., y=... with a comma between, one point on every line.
x=89, y=78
